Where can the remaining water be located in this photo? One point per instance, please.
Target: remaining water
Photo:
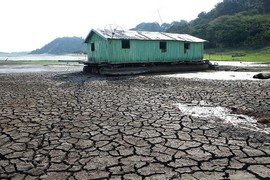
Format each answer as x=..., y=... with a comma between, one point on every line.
x=224, y=75
x=240, y=64
x=216, y=75
x=36, y=68
x=42, y=57
x=206, y=110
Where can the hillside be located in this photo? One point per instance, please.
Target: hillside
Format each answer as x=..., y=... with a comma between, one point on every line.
x=232, y=23
x=64, y=45
x=152, y=26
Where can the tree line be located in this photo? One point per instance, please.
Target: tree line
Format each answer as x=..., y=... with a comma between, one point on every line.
x=232, y=23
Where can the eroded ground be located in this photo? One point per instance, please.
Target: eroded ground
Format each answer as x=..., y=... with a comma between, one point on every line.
x=77, y=126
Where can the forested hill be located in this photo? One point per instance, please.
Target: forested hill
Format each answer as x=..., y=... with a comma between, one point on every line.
x=64, y=45
x=232, y=23
x=153, y=26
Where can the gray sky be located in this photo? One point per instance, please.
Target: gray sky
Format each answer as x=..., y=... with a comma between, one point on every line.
x=30, y=24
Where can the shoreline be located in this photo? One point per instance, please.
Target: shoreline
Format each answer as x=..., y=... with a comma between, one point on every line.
x=225, y=71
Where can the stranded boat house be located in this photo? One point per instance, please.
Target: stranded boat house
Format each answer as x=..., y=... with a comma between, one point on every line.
x=115, y=51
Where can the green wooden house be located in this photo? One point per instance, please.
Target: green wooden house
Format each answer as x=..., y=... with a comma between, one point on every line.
x=127, y=48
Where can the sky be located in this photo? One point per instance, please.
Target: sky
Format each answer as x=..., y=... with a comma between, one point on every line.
x=30, y=24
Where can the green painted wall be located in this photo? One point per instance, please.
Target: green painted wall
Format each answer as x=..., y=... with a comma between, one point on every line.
x=101, y=49
x=141, y=51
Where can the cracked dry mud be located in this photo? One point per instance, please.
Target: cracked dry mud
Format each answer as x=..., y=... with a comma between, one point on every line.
x=77, y=126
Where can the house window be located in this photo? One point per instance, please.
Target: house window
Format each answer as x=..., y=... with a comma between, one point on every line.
x=125, y=44
x=163, y=46
x=92, y=46
x=186, y=47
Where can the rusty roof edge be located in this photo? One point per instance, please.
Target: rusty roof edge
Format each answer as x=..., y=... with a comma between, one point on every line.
x=94, y=31
x=98, y=32
x=196, y=39
x=141, y=33
x=200, y=40
x=167, y=34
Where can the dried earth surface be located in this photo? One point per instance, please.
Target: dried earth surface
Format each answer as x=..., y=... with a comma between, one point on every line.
x=79, y=126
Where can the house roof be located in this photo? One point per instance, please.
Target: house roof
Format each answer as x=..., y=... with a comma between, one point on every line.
x=143, y=35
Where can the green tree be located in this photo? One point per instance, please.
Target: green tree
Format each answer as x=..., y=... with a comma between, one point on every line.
x=232, y=23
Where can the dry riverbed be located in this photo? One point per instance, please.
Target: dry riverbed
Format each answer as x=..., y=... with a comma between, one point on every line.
x=71, y=125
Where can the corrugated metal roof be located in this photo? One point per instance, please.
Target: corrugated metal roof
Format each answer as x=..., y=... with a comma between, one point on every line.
x=145, y=35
